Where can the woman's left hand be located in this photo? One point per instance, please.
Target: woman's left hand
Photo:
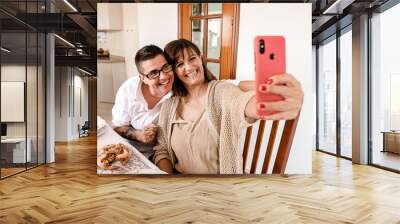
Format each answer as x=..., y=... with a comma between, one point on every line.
x=290, y=89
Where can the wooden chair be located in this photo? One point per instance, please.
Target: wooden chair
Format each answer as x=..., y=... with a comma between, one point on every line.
x=283, y=149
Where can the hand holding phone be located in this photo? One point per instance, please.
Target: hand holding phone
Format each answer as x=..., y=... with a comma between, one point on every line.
x=270, y=60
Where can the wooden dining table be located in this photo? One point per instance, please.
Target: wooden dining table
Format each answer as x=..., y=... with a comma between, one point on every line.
x=137, y=163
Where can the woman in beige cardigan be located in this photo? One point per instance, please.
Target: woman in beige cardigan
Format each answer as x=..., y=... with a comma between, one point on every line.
x=200, y=126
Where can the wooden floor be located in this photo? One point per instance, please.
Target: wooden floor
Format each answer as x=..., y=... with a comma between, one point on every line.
x=10, y=171
x=69, y=191
x=5, y=172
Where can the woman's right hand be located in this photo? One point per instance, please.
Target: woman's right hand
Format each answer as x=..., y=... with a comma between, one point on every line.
x=285, y=85
x=290, y=89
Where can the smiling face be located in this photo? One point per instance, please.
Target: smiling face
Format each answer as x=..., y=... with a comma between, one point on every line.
x=161, y=85
x=189, y=68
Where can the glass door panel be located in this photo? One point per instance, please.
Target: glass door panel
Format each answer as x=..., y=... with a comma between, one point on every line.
x=385, y=89
x=198, y=33
x=327, y=97
x=197, y=9
x=214, y=38
x=346, y=94
x=214, y=8
x=13, y=86
x=32, y=99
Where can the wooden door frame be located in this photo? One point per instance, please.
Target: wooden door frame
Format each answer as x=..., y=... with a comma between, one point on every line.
x=229, y=35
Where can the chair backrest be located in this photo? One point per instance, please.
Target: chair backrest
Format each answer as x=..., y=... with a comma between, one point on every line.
x=283, y=149
x=86, y=125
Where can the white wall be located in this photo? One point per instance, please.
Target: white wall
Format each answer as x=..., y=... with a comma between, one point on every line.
x=293, y=22
x=66, y=120
x=157, y=23
x=61, y=104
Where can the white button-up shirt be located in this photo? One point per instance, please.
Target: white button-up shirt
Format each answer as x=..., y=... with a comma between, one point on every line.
x=131, y=108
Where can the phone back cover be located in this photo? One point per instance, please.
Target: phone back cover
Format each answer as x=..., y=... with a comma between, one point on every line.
x=267, y=65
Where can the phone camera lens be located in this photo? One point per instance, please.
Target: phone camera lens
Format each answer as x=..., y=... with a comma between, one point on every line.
x=272, y=56
x=261, y=46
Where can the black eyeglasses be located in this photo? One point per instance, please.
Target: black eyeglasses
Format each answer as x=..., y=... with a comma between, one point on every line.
x=156, y=73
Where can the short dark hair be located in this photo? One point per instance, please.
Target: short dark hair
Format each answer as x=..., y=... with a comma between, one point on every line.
x=146, y=53
x=175, y=48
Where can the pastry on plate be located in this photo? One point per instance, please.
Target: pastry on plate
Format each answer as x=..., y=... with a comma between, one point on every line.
x=112, y=154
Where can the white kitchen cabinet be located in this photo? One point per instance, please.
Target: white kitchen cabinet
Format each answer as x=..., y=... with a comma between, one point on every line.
x=110, y=76
x=109, y=17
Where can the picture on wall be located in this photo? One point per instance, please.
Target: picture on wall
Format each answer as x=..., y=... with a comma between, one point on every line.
x=178, y=96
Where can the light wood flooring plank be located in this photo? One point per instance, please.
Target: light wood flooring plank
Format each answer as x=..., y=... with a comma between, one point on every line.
x=70, y=191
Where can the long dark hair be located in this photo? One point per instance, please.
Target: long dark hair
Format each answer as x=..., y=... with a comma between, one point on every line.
x=175, y=48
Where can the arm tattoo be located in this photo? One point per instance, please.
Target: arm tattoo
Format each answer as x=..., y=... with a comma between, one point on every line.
x=129, y=133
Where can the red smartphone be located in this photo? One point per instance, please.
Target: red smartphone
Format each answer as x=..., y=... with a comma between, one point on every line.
x=270, y=60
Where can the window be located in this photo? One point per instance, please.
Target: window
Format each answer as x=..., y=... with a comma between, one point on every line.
x=22, y=65
x=213, y=28
x=346, y=93
x=394, y=119
x=385, y=89
x=327, y=96
x=334, y=94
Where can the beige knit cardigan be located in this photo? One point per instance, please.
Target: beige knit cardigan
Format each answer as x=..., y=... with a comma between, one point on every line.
x=225, y=108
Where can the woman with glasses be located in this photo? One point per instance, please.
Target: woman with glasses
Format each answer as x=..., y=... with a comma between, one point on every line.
x=200, y=126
